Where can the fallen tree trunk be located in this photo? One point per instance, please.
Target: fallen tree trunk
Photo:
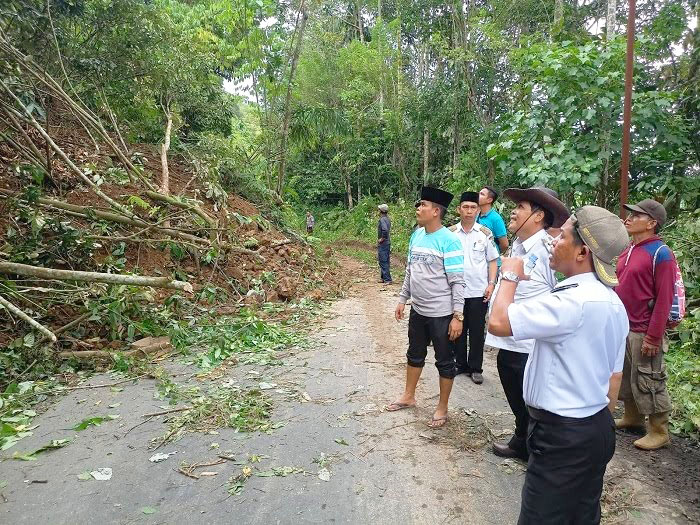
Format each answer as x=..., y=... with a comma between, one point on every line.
x=95, y=277
x=19, y=313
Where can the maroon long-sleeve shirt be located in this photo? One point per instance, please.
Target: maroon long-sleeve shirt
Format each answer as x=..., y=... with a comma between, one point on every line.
x=639, y=285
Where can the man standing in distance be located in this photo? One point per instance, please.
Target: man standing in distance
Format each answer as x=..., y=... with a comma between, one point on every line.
x=536, y=210
x=435, y=283
x=492, y=219
x=574, y=372
x=647, y=274
x=384, y=244
x=310, y=223
x=480, y=269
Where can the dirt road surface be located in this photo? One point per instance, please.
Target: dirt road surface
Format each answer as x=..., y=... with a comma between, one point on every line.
x=339, y=458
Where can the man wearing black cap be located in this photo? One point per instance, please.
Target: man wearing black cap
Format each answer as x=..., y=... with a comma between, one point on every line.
x=536, y=210
x=647, y=274
x=480, y=269
x=574, y=371
x=435, y=283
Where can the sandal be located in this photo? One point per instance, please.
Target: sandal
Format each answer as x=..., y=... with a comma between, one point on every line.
x=393, y=407
x=438, y=422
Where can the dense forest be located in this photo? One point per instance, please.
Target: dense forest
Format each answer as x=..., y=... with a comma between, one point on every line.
x=203, y=129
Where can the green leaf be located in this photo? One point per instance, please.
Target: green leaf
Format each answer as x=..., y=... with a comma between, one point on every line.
x=84, y=476
x=149, y=510
x=93, y=421
x=31, y=456
x=341, y=441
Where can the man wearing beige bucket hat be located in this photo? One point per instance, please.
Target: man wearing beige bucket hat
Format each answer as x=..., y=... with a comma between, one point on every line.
x=573, y=375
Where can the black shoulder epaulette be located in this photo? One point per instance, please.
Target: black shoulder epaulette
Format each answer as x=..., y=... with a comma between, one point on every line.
x=566, y=287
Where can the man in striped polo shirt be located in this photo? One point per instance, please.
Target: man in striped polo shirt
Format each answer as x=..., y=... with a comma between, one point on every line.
x=435, y=283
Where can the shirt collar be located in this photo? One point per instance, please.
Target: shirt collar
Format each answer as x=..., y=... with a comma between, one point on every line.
x=461, y=229
x=532, y=240
x=577, y=279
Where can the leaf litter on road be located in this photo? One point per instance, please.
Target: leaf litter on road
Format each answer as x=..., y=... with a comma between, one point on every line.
x=93, y=421
x=52, y=445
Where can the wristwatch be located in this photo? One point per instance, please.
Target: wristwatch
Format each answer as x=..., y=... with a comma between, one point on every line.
x=492, y=282
x=459, y=317
x=510, y=276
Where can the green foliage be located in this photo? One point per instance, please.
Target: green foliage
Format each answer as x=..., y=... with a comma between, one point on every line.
x=245, y=410
x=246, y=337
x=683, y=368
x=562, y=134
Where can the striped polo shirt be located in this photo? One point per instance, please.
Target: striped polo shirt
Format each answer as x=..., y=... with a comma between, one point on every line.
x=434, y=273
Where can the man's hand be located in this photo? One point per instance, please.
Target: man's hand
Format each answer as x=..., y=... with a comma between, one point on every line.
x=380, y=240
x=455, y=329
x=649, y=349
x=488, y=292
x=398, y=313
x=515, y=265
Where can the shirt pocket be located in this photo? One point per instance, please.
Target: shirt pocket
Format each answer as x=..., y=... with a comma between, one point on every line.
x=479, y=251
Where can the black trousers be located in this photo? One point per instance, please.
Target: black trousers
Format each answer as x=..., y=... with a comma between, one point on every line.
x=471, y=359
x=383, y=256
x=421, y=330
x=564, y=478
x=511, y=371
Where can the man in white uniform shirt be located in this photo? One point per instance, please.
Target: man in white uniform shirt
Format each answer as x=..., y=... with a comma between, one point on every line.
x=480, y=269
x=574, y=372
x=536, y=210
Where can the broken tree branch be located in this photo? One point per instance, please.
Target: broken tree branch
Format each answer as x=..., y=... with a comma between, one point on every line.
x=187, y=206
x=163, y=412
x=19, y=313
x=7, y=267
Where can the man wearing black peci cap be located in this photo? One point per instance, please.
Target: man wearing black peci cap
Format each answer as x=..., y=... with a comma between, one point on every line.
x=435, y=283
x=536, y=210
x=574, y=371
x=480, y=269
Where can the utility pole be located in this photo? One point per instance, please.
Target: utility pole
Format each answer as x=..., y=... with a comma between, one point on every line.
x=627, y=114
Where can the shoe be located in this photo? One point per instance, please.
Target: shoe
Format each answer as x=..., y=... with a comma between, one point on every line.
x=657, y=433
x=631, y=418
x=504, y=451
x=388, y=282
x=477, y=377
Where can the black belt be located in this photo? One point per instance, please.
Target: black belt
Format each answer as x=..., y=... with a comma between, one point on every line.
x=549, y=417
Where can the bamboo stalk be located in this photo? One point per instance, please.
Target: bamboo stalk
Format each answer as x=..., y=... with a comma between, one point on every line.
x=19, y=313
x=111, y=278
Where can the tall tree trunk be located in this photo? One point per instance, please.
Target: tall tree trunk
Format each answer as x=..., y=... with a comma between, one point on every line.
x=348, y=186
x=287, y=104
x=165, y=172
x=358, y=11
x=426, y=155
x=558, y=24
x=610, y=20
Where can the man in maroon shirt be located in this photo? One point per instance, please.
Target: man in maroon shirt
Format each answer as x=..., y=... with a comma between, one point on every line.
x=646, y=290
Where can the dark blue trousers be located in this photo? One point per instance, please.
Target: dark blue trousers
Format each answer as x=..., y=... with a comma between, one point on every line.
x=383, y=254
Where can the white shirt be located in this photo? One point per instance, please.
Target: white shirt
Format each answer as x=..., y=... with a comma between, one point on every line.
x=542, y=281
x=580, y=330
x=479, y=250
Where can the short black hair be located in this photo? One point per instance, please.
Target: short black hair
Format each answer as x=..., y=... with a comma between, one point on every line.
x=492, y=193
x=548, y=215
x=578, y=240
x=443, y=210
